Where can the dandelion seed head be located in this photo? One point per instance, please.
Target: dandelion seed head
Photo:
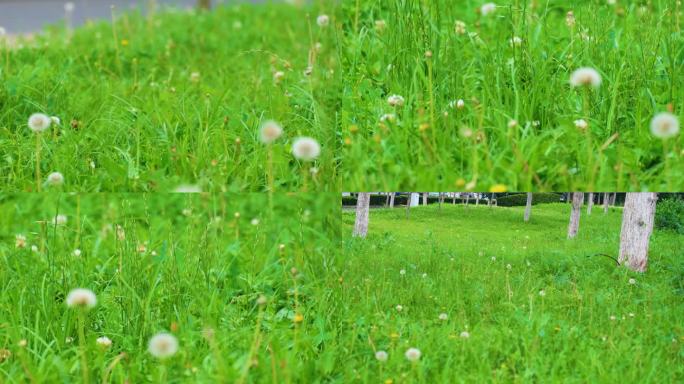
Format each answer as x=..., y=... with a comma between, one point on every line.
x=81, y=298
x=581, y=124
x=270, y=131
x=465, y=334
x=254, y=221
x=163, y=345
x=55, y=179
x=402, y=272
x=20, y=241
x=612, y=317
x=34, y=248
x=399, y=308
x=381, y=356
x=306, y=148
x=38, y=122
x=515, y=41
x=59, y=220
x=395, y=100
x=664, y=125
x=632, y=281
x=323, y=20
x=584, y=77
x=487, y=9
x=412, y=354
x=542, y=293
x=77, y=252
x=443, y=316
x=104, y=342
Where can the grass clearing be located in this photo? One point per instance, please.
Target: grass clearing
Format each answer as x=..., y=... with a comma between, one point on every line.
x=591, y=325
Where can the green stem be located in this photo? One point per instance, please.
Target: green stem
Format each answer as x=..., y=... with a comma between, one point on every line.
x=82, y=344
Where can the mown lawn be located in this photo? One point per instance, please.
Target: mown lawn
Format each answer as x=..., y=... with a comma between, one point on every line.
x=486, y=270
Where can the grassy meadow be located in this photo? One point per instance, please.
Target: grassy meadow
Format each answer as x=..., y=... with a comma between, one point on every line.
x=147, y=103
x=486, y=97
x=521, y=303
x=240, y=293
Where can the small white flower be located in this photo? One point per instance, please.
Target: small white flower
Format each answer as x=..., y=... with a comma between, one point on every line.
x=55, y=179
x=254, y=221
x=104, y=342
x=493, y=258
x=278, y=76
x=195, y=77
x=612, y=317
x=509, y=267
x=487, y=9
x=163, y=345
x=20, y=241
x=585, y=77
x=69, y=340
x=39, y=122
x=81, y=297
x=391, y=117
x=443, y=316
x=59, y=219
x=581, y=124
x=395, y=100
x=632, y=281
x=270, y=131
x=460, y=27
x=412, y=354
x=399, y=308
x=465, y=334
x=34, y=248
x=664, y=125
x=323, y=20
x=306, y=148
x=381, y=356
x=631, y=314
x=402, y=272
x=542, y=293
x=424, y=275
x=77, y=252
x=515, y=41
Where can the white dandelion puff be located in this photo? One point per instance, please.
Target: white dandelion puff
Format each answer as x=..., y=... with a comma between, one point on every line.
x=306, y=148
x=38, y=122
x=664, y=125
x=55, y=179
x=412, y=354
x=395, y=100
x=381, y=356
x=81, y=298
x=515, y=41
x=391, y=117
x=542, y=293
x=323, y=20
x=487, y=9
x=443, y=316
x=104, y=342
x=399, y=308
x=59, y=220
x=585, y=77
x=163, y=345
x=402, y=272
x=270, y=131
x=77, y=252
x=465, y=334
x=581, y=124
x=632, y=281
x=254, y=222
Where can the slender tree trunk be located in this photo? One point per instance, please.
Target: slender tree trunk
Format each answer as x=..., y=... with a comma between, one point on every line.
x=637, y=226
x=477, y=199
x=573, y=227
x=362, y=206
x=528, y=207
x=467, y=200
x=387, y=199
x=391, y=204
x=203, y=4
x=425, y=198
x=489, y=201
x=612, y=199
x=590, y=203
x=605, y=202
x=408, y=204
x=439, y=200
x=454, y=199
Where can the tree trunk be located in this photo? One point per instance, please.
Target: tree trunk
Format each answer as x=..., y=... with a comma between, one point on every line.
x=439, y=200
x=425, y=198
x=361, y=223
x=391, y=199
x=477, y=199
x=489, y=200
x=528, y=207
x=612, y=199
x=605, y=202
x=454, y=199
x=203, y=4
x=590, y=203
x=573, y=227
x=408, y=204
x=637, y=226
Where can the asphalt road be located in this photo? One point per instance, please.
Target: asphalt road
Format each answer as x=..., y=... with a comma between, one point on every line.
x=26, y=16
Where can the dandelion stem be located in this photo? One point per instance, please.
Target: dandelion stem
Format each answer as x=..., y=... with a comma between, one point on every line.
x=38, y=187
x=82, y=344
x=253, y=348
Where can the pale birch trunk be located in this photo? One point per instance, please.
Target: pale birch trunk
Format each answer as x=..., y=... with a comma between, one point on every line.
x=573, y=227
x=408, y=204
x=425, y=198
x=528, y=207
x=590, y=203
x=361, y=223
x=605, y=202
x=637, y=226
x=477, y=199
x=392, y=199
x=467, y=200
x=440, y=200
x=453, y=202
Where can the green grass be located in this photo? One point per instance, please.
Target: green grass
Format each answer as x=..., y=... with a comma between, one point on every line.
x=638, y=52
x=143, y=123
x=201, y=269
x=516, y=335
